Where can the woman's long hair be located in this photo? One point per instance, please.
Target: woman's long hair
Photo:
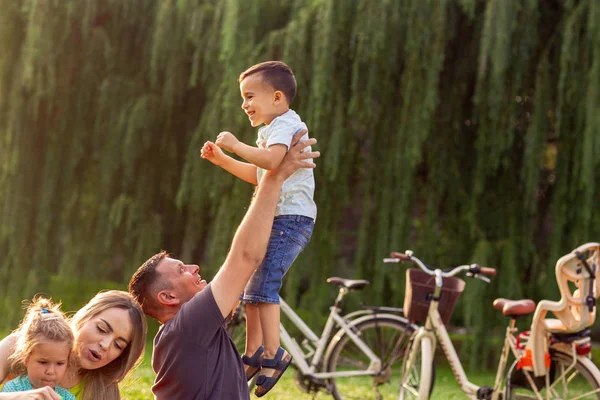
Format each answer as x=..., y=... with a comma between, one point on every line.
x=103, y=383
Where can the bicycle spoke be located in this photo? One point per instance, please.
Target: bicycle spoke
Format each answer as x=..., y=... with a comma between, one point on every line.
x=417, y=362
x=572, y=376
x=236, y=328
x=413, y=390
x=585, y=395
x=398, y=350
x=386, y=337
x=569, y=381
x=348, y=361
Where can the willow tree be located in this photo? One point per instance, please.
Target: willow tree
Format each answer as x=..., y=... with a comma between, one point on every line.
x=466, y=130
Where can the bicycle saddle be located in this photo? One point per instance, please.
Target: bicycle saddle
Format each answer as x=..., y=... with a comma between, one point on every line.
x=348, y=283
x=514, y=308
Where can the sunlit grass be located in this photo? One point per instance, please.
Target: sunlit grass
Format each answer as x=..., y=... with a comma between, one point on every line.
x=137, y=385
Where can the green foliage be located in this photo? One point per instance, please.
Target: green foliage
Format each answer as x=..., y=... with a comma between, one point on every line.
x=466, y=130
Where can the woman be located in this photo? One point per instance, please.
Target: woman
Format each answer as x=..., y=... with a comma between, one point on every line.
x=110, y=333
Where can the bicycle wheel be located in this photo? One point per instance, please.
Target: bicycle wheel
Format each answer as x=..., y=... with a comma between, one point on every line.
x=418, y=377
x=568, y=380
x=236, y=328
x=387, y=337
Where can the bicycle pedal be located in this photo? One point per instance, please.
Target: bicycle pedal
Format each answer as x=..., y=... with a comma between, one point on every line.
x=313, y=380
x=484, y=393
x=328, y=388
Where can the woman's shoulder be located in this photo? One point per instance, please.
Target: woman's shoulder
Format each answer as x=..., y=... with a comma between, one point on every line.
x=7, y=346
x=8, y=343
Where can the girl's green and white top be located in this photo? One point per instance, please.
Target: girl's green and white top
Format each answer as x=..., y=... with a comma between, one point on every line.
x=22, y=384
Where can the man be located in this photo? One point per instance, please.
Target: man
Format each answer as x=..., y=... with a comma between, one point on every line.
x=193, y=356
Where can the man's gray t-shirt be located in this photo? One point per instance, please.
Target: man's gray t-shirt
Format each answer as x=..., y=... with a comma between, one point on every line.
x=194, y=357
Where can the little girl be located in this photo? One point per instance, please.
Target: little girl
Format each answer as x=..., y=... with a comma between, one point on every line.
x=42, y=350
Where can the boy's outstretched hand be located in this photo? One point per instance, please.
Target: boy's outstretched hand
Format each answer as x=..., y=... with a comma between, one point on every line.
x=227, y=140
x=212, y=153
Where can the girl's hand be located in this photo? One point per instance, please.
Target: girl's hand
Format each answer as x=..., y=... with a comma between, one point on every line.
x=212, y=153
x=227, y=141
x=45, y=393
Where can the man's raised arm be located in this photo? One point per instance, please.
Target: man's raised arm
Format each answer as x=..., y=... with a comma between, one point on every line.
x=252, y=236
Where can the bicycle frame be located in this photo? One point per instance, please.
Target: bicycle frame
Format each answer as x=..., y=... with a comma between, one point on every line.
x=320, y=343
x=435, y=324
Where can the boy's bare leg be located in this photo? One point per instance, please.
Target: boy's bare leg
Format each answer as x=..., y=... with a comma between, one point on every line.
x=273, y=364
x=253, y=329
x=269, y=320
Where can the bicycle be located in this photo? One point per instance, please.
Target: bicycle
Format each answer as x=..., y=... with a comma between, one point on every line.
x=551, y=361
x=369, y=343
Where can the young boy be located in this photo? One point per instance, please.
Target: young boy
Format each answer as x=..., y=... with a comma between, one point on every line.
x=267, y=91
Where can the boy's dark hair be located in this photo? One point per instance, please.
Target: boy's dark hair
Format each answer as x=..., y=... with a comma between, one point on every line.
x=277, y=74
x=145, y=283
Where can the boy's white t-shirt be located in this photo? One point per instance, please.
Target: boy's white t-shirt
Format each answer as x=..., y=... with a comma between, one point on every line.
x=298, y=190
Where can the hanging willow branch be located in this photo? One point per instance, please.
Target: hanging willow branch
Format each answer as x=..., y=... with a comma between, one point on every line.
x=463, y=129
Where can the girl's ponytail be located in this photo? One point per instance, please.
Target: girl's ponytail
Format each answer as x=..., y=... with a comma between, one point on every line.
x=43, y=321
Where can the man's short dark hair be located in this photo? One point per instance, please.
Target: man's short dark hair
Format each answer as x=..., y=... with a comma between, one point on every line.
x=146, y=283
x=277, y=74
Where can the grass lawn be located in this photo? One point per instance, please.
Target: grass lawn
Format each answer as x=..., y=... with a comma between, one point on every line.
x=137, y=385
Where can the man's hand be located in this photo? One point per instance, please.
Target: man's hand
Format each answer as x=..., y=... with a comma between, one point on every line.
x=295, y=158
x=212, y=153
x=227, y=141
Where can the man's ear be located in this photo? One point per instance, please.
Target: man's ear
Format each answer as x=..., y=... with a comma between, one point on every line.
x=167, y=298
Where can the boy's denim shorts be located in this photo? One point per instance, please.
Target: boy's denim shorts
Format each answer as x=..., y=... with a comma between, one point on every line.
x=289, y=236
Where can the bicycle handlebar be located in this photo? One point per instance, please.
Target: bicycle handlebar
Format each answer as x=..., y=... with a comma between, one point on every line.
x=473, y=269
x=487, y=271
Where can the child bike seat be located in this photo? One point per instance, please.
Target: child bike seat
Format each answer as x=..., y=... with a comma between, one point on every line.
x=579, y=288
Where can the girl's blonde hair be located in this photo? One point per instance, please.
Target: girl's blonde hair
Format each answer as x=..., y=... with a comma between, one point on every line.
x=102, y=383
x=43, y=321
